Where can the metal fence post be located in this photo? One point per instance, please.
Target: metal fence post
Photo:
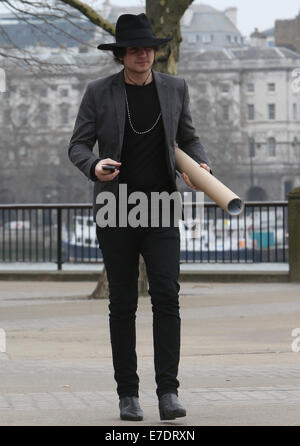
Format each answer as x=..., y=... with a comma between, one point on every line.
x=294, y=233
x=59, y=239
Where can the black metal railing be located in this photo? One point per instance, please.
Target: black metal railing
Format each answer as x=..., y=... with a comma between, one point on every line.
x=65, y=233
x=258, y=235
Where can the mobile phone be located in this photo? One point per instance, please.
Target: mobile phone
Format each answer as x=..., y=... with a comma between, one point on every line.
x=110, y=167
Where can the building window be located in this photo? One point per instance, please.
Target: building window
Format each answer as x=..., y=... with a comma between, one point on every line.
x=6, y=117
x=295, y=112
x=288, y=186
x=225, y=88
x=64, y=115
x=43, y=92
x=64, y=92
x=23, y=151
x=272, y=146
x=22, y=111
x=271, y=111
x=251, y=112
x=251, y=147
x=206, y=38
x=225, y=109
x=256, y=193
x=271, y=87
x=192, y=38
x=202, y=88
x=230, y=39
x=250, y=87
x=23, y=93
x=43, y=114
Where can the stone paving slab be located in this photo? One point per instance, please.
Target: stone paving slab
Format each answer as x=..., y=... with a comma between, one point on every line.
x=68, y=400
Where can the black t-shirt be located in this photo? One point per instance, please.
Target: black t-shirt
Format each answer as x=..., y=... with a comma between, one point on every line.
x=144, y=159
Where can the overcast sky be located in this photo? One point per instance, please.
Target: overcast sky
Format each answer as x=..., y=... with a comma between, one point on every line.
x=252, y=14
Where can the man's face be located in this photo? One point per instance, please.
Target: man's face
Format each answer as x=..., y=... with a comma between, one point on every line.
x=138, y=60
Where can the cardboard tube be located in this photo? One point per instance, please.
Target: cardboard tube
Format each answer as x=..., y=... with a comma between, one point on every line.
x=209, y=184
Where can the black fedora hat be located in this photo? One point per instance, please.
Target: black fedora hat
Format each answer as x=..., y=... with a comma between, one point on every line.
x=134, y=31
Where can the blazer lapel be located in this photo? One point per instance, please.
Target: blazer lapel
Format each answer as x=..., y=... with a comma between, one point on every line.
x=164, y=100
x=119, y=103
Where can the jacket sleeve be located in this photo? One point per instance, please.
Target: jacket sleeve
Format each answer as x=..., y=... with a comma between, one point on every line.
x=186, y=137
x=84, y=135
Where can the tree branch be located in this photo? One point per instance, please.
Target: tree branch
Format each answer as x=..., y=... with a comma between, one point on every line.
x=21, y=15
x=92, y=15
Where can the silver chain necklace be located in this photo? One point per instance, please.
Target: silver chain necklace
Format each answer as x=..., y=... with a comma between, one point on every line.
x=133, y=82
x=130, y=122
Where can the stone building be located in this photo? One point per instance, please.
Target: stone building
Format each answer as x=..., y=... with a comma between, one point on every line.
x=263, y=39
x=204, y=27
x=247, y=115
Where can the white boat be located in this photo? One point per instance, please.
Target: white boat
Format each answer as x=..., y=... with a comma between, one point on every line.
x=82, y=245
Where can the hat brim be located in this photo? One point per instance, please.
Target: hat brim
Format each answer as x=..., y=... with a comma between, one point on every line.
x=134, y=43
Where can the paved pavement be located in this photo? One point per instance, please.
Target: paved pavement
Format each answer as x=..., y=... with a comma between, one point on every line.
x=193, y=267
x=237, y=365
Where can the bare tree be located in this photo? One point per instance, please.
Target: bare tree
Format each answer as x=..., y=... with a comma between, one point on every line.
x=51, y=24
x=165, y=16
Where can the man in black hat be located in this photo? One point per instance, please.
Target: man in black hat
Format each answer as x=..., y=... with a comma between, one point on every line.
x=137, y=116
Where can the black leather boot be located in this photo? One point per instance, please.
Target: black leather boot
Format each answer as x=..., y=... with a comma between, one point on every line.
x=170, y=407
x=130, y=409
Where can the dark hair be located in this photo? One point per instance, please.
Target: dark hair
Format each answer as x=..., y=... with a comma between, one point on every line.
x=120, y=52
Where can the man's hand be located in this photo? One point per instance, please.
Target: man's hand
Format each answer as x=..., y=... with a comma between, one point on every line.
x=105, y=175
x=187, y=180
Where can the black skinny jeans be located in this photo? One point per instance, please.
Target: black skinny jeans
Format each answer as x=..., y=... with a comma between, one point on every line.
x=160, y=248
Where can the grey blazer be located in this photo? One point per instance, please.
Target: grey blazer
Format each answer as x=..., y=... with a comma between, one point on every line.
x=101, y=118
